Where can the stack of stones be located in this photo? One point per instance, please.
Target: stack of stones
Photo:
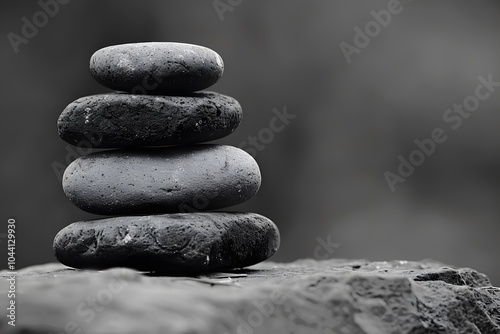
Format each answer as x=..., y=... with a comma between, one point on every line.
x=159, y=181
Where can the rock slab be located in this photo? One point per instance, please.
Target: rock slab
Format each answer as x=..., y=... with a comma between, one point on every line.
x=162, y=180
x=182, y=243
x=307, y=296
x=125, y=120
x=156, y=68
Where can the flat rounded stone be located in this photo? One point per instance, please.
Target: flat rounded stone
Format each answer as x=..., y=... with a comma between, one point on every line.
x=156, y=68
x=182, y=243
x=162, y=180
x=125, y=120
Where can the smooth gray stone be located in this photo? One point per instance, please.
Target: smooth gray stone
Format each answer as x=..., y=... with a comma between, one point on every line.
x=333, y=296
x=179, y=243
x=162, y=180
x=125, y=120
x=156, y=68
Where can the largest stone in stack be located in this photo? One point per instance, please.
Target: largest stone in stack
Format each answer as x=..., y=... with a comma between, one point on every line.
x=160, y=182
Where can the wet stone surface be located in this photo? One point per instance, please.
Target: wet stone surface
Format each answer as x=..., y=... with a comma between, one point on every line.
x=162, y=180
x=306, y=296
x=156, y=68
x=124, y=120
x=182, y=243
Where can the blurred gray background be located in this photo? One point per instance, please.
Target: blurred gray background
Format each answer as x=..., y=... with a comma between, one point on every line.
x=323, y=175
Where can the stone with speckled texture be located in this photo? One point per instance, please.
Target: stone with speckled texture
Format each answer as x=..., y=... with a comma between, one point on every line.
x=178, y=243
x=162, y=180
x=124, y=120
x=156, y=68
x=334, y=296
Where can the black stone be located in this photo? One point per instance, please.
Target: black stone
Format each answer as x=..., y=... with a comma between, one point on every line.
x=125, y=120
x=156, y=68
x=162, y=180
x=183, y=243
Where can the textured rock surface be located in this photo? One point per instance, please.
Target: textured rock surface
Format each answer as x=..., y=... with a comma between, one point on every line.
x=333, y=296
x=124, y=120
x=156, y=68
x=187, y=243
x=162, y=180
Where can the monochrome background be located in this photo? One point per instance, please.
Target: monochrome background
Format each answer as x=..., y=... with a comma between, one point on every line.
x=323, y=175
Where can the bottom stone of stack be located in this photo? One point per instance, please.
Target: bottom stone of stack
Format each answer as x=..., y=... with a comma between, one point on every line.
x=175, y=244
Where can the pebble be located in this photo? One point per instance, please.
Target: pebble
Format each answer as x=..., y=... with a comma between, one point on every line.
x=162, y=180
x=156, y=68
x=120, y=120
x=183, y=243
x=158, y=180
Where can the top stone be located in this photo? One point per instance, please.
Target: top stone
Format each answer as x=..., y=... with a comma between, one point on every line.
x=156, y=68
